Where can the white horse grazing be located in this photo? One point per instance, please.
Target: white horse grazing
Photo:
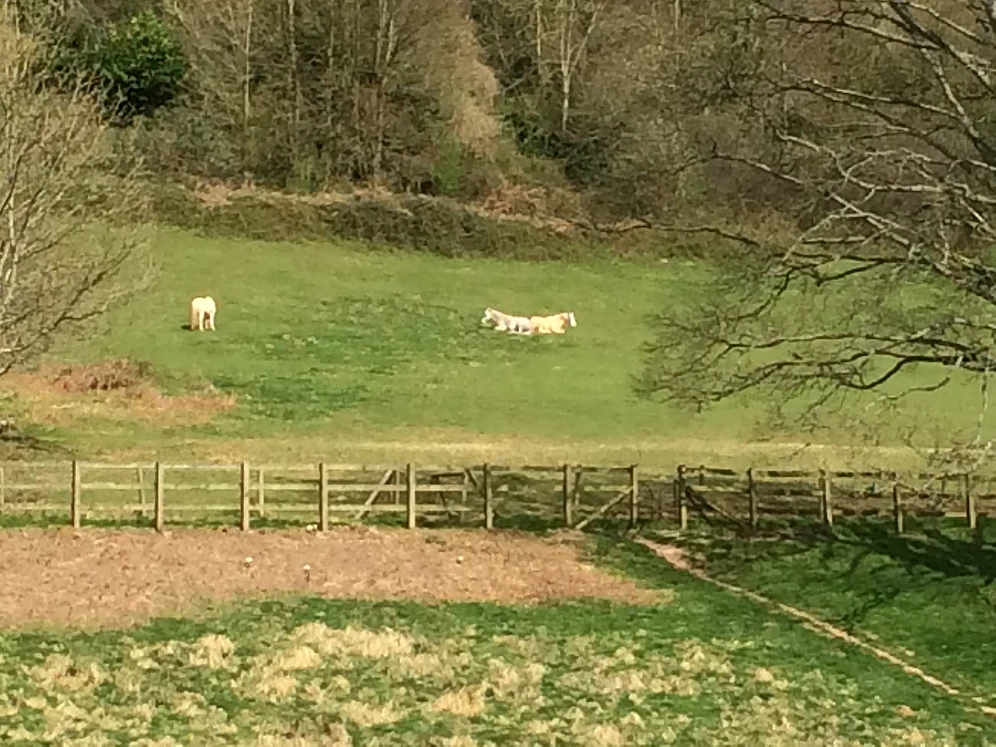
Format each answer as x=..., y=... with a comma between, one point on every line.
x=202, y=313
x=556, y=324
x=507, y=323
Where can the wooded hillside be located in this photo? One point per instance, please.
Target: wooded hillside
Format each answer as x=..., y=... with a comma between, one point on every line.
x=601, y=104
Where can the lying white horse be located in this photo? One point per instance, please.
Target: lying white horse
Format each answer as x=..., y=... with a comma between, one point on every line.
x=202, y=313
x=506, y=323
x=556, y=324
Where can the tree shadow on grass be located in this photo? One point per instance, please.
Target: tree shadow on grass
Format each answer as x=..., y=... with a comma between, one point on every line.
x=935, y=551
x=859, y=566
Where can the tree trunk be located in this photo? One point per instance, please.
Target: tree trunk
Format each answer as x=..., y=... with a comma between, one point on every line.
x=246, y=101
x=538, y=14
x=566, y=11
x=565, y=101
x=330, y=94
x=295, y=85
x=384, y=55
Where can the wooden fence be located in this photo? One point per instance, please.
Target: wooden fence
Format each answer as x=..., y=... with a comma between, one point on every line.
x=573, y=495
x=748, y=496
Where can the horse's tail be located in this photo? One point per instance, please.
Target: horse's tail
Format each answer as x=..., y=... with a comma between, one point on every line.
x=193, y=313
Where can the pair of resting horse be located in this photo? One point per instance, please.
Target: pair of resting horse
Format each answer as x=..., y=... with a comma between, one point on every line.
x=555, y=324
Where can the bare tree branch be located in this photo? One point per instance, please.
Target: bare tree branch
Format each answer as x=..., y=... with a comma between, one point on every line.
x=64, y=252
x=890, y=274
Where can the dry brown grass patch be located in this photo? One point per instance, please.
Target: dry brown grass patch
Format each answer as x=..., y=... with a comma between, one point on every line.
x=213, y=651
x=117, y=390
x=61, y=672
x=352, y=641
x=365, y=714
x=467, y=701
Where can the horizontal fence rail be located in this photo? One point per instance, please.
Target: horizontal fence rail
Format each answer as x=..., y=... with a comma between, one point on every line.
x=573, y=495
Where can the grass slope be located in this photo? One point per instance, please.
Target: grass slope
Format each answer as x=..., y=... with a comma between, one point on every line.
x=927, y=596
x=337, y=349
x=705, y=669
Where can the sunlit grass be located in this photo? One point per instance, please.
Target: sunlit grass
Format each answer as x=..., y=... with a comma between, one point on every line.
x=371, y=354
x=321, y=672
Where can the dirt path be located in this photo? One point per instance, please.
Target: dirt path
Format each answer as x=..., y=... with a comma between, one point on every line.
x=675, y=556
x=99, y=578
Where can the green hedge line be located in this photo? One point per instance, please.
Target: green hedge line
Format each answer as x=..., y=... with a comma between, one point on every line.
x=421, y=224
x=439, y=226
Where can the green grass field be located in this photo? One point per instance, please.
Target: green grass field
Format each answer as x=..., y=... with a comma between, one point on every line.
x=926, y=596
x=339, y=351
x=704, y=668
x=344, y=353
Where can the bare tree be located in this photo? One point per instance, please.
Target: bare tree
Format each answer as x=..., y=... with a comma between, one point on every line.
x=568, y=26
x=297, y=98
x=64, y=192
x=890, y=152
x=221, y=39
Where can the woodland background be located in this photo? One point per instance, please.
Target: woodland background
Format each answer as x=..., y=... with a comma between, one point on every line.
x=569, y=107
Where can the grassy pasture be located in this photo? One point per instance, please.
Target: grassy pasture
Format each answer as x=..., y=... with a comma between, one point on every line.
x=702, y=668
x=927, y=596
x=338, y=351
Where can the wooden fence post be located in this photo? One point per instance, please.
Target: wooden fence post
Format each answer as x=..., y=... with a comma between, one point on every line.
x=682, y=506
x=140, y=476
x=244, y=507
x=971, y=514
x=74, y=504
x=260, y=492
x=463, y=495
x=826, y=508
x=323, y=498
x=897, y=505
x=566, y=494
x=752, y=498
x=160, y=495
x=674, y=494
x=634, y=496
x=410, y=493
x=489, y=517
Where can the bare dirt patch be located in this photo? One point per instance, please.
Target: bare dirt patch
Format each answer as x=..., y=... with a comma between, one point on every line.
x=60, y=394
x=101, y=578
